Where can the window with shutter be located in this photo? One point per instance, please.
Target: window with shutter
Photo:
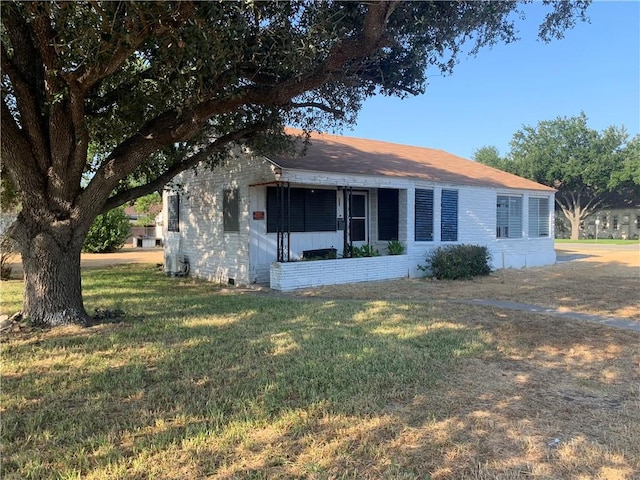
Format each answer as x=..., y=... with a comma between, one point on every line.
x=449, y=216
x=173, y=213
x=388, y=214
x=424, y=215
x=231, y=210
x=302, y=209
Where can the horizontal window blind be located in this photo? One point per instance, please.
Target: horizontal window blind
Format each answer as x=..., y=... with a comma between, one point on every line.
x=538, y=217
x=449, y=216
x=424, y=215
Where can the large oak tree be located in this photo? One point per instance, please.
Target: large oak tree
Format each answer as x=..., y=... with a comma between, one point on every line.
x=588, y=168
x=103, y=102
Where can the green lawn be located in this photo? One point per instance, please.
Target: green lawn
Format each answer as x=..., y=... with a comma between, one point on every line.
x=195, y=382
x=608, y=241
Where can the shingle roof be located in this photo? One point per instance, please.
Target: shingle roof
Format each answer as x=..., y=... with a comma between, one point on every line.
x=348, y=155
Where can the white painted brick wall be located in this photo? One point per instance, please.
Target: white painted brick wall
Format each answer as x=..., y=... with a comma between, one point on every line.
x=213, y=254
x=219, y=256
x=294, y=275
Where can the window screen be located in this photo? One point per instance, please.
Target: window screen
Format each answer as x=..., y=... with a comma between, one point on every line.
x=302, y=209
x=538, y=217
x=509, y=217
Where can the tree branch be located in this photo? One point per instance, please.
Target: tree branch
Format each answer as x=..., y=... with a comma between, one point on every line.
x=17, y=156
x=88, y=77
x=320, y=106
x=174, y=126
x=160, y=181
x=26, y=95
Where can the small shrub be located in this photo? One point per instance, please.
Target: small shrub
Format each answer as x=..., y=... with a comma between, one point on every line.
x=455, y=262
x=394, y=247
x=108, y=232
x=363, y=251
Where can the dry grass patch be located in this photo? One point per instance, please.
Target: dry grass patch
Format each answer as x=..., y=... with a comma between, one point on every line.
x=199, y=382
x=601, y=281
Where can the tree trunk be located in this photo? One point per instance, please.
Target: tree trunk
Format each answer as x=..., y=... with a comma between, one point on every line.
x=52, y=290
x=575, y=227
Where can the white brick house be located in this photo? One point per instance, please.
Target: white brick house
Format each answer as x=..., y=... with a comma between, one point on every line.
x=249, y=221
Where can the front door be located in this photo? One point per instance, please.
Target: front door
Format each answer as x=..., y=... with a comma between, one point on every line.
x=358, y=225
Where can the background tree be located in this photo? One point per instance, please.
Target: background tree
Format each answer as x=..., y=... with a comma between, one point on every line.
x=158, y=87
x=489, y=155
x=148, y=207
x=108, y=232
x=588, y=168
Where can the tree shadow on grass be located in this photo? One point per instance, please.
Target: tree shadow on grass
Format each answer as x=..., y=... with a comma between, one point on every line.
x=255, y=386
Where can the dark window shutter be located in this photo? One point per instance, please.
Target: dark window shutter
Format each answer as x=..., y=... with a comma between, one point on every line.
x=424, y=215
x=449, y=217
x=231, y=210
x=387, y=214
x=173, y=213
x=272, y=210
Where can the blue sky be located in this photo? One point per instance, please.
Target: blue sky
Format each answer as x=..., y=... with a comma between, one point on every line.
x=595, y=68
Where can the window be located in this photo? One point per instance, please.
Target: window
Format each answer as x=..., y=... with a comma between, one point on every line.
x=449, y=216
x=615, y=223
x=173, y=213
x=387, y=214
x=231, y=210
x=509, y=217
x=424, y=215
x=538, y=217
x=303, y=209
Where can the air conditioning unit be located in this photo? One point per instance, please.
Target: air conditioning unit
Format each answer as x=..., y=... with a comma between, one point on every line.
x=176, y=266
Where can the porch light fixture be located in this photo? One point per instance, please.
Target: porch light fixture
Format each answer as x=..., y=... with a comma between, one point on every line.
x=278, y=173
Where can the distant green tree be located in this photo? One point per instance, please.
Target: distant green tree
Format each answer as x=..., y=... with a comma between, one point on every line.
x=587, y=168
x=108, y=232
x=145, y=207
x=489, y=155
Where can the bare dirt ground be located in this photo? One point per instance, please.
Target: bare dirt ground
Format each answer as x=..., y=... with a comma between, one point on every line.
x=99, y=260
x=592, y=279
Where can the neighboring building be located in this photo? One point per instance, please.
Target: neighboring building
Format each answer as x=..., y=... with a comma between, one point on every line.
x=621, y=220
x=148, y=234
x=253, y=219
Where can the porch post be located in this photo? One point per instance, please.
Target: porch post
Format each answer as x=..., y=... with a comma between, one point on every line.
x=281, y=201
x=348, y=242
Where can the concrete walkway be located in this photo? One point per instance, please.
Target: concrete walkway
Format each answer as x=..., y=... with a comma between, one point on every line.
x=617, y=322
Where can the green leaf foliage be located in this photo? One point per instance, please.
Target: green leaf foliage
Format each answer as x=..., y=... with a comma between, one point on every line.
x=588, y=168
x=108, y=232
x=456, y=262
